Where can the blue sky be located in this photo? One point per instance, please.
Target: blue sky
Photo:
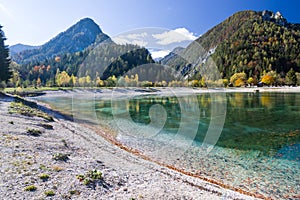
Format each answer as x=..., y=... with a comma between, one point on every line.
x=34, y=22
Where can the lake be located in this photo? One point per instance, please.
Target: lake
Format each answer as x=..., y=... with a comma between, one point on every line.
x=246, y=140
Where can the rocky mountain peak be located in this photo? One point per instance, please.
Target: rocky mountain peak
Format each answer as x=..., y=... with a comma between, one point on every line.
x=274, y=17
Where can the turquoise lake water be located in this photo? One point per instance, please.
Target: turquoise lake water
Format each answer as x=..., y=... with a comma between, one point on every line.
x=252, y=140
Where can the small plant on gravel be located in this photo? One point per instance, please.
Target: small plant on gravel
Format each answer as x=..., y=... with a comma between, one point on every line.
x=61, y=157
x=10, y=137
x=49, y=193
x=57, y=168
x=28, y=110
x=76, y=192
x=90, y=177
x=30, y=188
x=34, y=132
x=43, y=167
x=46, y=126
x=44, y=177
x=64, y=142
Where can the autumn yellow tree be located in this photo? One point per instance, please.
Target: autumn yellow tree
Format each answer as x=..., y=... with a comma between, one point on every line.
x=250, y=81
x=57, y=59
x=267, y=79
x=73, y=80
x=15, y=79
x=88, y=81
x=62, y=79
x=202, y=82
x=194, y=83
x=127, y=81
x=82, y=81
x=111, y=81
x=135, y=80
x=238, y=79
x=99, y=82
x=38, y=82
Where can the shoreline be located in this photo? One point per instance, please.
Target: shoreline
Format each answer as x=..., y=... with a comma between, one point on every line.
x=111, y=139
x=142, y=156
x=136, y=92
x=193, y=185
x=131, y=92
x=121, y=92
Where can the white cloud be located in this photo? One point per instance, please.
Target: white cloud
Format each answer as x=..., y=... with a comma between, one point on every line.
x=159, y=54
x=174, y=36
x=137, y=39
x=120, y=40
x=157, y=38
x=137, y=35
x=141, y=43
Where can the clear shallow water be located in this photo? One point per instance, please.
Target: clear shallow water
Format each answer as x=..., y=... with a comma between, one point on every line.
x=258, y=148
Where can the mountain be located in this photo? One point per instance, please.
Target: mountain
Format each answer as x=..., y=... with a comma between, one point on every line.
x=172, y=54
x=82, y=51
x=17, y=48
x=174, y=59
x=74, y=39
x=248, y=41
x=96, y=61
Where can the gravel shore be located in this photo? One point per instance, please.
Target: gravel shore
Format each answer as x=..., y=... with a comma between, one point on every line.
x=47, y=157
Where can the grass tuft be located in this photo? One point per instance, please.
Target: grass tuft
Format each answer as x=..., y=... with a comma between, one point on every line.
x=60, y=157
x=30, y=188
x=76, y=192
x=44, y=177
x=46, y=126
x=34, y=132
x=57, y=168
x=49, y=193
x=22, y=109
x=90, y=177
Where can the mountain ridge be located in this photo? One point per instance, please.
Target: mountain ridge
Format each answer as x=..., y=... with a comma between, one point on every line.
x=97, y=58
x=17, y=48
x=75, y=38
x=247, y=41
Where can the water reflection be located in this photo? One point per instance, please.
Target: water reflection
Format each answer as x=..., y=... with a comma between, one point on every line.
x=258, y=150
x=267, y=122
x=261, y=122
x=254, y=121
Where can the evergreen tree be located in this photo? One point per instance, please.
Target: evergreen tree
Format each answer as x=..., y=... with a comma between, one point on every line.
x=291, y=78
x=5, y=73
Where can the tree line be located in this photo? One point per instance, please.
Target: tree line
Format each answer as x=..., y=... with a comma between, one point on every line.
x=5, y=72
x=259, y=52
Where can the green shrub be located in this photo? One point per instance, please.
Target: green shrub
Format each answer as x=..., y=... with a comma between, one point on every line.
x=90, y=177
x=46, y=126
x=44, y=177
x=60, y=157
x=72, y=192
x=22, y=109
x=34, y=132
x=43, y=167
x=30, y=188
x=49, y=193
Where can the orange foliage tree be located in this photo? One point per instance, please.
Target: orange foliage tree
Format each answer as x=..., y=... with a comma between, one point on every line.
x=267, y=79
